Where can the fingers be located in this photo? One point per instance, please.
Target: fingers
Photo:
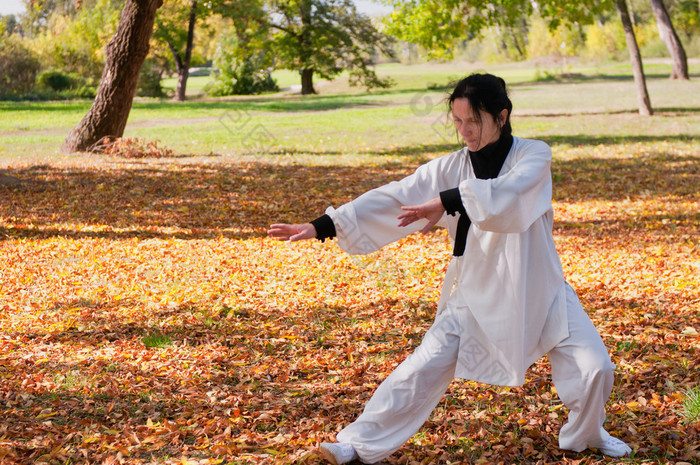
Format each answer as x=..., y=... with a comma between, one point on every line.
x=281, y=231
x=410, y=215
x=291, y=232
x=411, y=210
x=405, y=220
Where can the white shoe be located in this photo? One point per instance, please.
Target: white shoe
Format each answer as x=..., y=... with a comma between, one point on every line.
x=614, y=447
x=338, y=453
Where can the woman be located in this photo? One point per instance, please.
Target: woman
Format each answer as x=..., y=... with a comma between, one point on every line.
x=504, y=303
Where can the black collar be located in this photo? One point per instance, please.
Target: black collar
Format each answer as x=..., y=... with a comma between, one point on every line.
x=488, y=161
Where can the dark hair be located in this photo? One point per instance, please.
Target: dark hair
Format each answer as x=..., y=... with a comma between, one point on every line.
x=485, y=92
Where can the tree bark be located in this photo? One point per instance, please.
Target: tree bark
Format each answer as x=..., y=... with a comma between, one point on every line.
x=635, y=58
x=183, y=66
x=307, y=83
x=668, y=34
x=125, y=54
x=307, y=72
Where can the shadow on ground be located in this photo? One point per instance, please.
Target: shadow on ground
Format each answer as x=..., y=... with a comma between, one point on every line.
x=241, y=200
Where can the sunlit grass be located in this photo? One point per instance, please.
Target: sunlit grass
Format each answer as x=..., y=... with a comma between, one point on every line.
x=156, y=339
x=328, y=126
x=691, y=405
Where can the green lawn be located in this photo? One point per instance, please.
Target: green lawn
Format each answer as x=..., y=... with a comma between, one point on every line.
x=598, y=104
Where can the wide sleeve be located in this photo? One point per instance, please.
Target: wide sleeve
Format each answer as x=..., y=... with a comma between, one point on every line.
x=511, y=203
x=370, y=221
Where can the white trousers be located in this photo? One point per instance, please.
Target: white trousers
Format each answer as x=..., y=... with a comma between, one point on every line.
x=581, y=371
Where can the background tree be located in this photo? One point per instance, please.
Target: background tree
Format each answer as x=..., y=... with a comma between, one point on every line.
x=9, y=25
x=38, y=13
x=668, y=34
x=240, y=69
x=438, y=25
x=179, y=40
x=18, y=66
x=643, y=100
x=244, y=58
x=324, y=38
x=125, y=54
x=75, y=42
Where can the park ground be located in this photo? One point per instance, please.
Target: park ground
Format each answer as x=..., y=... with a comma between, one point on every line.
x=145, y=317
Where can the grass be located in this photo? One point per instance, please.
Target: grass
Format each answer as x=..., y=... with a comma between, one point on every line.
x=156, y=339
x=691, y=405
x=597, y=108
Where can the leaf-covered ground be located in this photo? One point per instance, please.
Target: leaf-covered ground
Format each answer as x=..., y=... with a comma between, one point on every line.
x=146, y=318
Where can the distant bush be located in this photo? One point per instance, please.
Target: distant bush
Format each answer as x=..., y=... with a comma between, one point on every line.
x=605, y=42
x=564, y=41
x=57, y=84
x=55, y=80
x=84, y=91
x=237, y=72
x=18, y=66
x=149, y=84
x=242, y=78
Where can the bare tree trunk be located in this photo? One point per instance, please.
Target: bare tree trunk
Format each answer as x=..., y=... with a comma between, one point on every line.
x=183, y=65
x=668, y=34
x=502, y=46
x=307, y=72
x=516, y=43
x=307, y=83
x=635, y=58
x=125, y=53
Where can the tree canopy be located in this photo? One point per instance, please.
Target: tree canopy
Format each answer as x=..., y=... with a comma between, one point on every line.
x=314, y=37
x=437, y=24
x=174, y=27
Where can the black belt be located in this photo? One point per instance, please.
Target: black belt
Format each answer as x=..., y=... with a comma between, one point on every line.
x=461, y=236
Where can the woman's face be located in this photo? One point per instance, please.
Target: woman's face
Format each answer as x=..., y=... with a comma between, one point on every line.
x=476, y=135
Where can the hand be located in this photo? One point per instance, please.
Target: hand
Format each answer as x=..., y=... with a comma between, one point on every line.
x=292, y=232
x=431, y=210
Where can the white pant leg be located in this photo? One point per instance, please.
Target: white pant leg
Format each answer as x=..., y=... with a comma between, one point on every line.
x=583, y=376
x=404, y=401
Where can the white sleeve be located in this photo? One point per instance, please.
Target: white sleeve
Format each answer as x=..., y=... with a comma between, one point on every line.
x=513, y=201
x=370, y=221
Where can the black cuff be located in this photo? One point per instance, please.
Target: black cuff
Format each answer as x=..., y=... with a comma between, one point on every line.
x=452, y=201
x=325, y=229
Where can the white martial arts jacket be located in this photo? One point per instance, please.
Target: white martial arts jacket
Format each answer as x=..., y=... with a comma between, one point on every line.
x=507, y=290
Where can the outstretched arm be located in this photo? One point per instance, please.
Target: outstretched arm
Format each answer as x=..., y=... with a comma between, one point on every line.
x=292, y=232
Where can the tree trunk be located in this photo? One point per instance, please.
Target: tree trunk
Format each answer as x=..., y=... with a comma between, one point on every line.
x=635, y=58
x=307, y=49
x=183, y=66
x=307, y=83
x=516, y=43
x=501, y=41
x=125, y=53
x=673, y=43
